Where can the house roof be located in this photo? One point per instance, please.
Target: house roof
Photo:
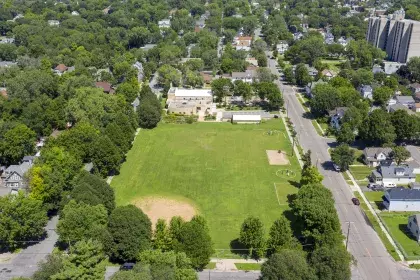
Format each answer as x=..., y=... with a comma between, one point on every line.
x=246, y=117
x=364, y=88
x=19, y=169
x=244, y=38
x=207, y=78
x=3, y=92
x=61, y=68
x=327, y=72
x=404, y=194
x=399, y=106
x=338, y=111
x=404, y=99
x=105, y=86
x=415, y=85
x=136, y=102
x=191, y=92
x=391, y=171
x=373, y=151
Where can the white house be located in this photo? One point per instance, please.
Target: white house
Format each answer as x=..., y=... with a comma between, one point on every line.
x=248, y=76
x=366, y=91
x=14, y=175
x=414, y=227
x=164, y=23
x=393, y=175
x=242, y=43
x=75, y=13
x=282, y=47
x=53, y=23
x=407, y=101
x=402, y=200
x=140, y=72
x=328, y=74
x=373, y=156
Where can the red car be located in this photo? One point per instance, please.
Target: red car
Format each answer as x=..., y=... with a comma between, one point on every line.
x=355, y=201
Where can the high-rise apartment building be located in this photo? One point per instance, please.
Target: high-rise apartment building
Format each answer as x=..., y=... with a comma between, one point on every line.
x=400, y=38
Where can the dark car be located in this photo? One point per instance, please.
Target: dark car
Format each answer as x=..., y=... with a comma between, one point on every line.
x=127, y=266
x=355, y=201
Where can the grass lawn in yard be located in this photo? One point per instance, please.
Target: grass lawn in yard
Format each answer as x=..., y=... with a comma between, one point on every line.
x=360, y=172
x=375, y=198
x=397, y=224
x=418, y=178
x=248, y=266
x=358, y=156
x=220, y=169
x=211, y=265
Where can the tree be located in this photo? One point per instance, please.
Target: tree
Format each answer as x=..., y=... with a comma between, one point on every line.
x=195, y=241
x=266, y=89
x=406, y=125
x=252, y=234
x=52, y=265
x=280, y=236
x=243, y=89
x=85, y=261
x=343, y=156
x=175, y=226
x=162, y=238
x=22, y=220
x=310, y=175
x=169, y=75
x=289, y=75
x=331, y=262
x=381, y=95
x=221, y=88
x=93, y=190
x=106, y=157
x=326, y=98
x=275, y=100
x=287, y=265
x=130, y=232
x=80, y=221
x=262, y=60
x=306, y=159
x=413, y=66
x=400, y=154
x=264, y=75
x=345, y=134
x=377, y=128
x=302, y=75
x=16, y=143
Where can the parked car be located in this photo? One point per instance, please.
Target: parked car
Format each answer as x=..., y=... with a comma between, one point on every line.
x=355, y=201
x=336, y=167
x=127, y=266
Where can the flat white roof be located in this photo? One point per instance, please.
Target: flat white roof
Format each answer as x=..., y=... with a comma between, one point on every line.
x=193, y=92
x=246, y=117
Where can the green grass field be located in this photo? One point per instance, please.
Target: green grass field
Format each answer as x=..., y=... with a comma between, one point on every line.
x=397, y=225
x=248, y=266
x=222, y=168
x=360, y=172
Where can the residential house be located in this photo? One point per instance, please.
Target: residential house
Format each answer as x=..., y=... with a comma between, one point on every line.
x=75, y=13
x=60, y=69
x=402, y=200
x=417, y=107
x=366, y=91
x=377, y=69
x=336, y=115
x=297, y=36
x=207, y=77
x=328, y=74
x=53, y=23
x=252, y=61
x=342, y=41
x=135, y=104
x=3, y=92
x=394, y=175
x=391, y=67
x=309, y=88
x=105, y=86
x=190, y=101
x=311, y=71
x=414, y=227
x=106, y=10
x=398, y=106
x=407, y=101
x=147, y=47
x=282, y=47
x=200, y=24
x=329, y=38
x=164, y=23
x=415, y=88
x=14, y=175
x=6, y=40
x=242, y=43
x=375, y=155
x=140, y=73
x=248, y=76
x=5, y=64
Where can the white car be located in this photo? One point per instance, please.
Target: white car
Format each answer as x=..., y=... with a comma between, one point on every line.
x=336, y=167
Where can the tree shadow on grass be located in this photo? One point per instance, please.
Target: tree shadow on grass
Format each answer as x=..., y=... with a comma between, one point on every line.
x=237, y=248
x=295, y=184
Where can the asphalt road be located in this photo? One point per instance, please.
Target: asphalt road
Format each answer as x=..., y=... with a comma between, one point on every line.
x=415, y=152
x=222, y=275
x=372, y=260
x=26, y=262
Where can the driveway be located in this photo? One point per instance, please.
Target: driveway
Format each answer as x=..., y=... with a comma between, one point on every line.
x=26, y=262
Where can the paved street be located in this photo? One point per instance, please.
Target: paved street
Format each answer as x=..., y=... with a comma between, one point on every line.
x=415, y=153
x=373, y=261
x=222, y=275
x=25, y=263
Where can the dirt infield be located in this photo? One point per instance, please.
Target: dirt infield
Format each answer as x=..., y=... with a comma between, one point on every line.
x=164, y=208
x=276, y=158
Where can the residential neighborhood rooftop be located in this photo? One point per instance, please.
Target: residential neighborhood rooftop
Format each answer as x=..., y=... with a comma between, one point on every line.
x=404, y=194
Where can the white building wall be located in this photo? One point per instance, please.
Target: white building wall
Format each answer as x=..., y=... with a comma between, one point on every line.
x=397, y=181
x=404, y=206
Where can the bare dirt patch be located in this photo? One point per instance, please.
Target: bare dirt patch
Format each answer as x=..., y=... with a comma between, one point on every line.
x=276, y=157
x=164, y=208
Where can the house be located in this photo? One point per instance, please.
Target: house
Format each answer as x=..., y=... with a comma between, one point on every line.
x=106, y=10
x=375, y=155
x=242, y=43
x=3, y=92
x=60, y=69
x=7, y=40
x=417, y=107
x=248, y=76
x=75, y=13
x=391, y=67
x=164, y=23
x=336, y=115
x=246, y=118
x=88, y=167
x=311, y=70
x=342, y=41
x=147, y=47
x=328, y=74
x=391, y=176
x=395, y=107
x=415, y=88
x=402, y=200
x=329, y=38
x=366, y=91
x=135, y=104
x=407, y=101
x=297, y=36
x=207, y=77
x=140, y=73
x=252, y=61
x=5, y=64
x=190, y=101
x=227, y=116
x=14, y=175
x=309, y=88
x=377, y=69
x=282, y=47
x=414, y=227
x=53, y=23
x=107, y=87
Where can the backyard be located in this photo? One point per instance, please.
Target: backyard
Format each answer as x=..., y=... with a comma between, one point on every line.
x=220, y=170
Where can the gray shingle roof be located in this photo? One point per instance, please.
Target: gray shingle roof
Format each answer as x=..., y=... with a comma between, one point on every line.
x=391, y=171
x=404, y=194
x=372, y=152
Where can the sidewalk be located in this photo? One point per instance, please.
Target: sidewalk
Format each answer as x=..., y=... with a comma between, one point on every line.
x=229, y=264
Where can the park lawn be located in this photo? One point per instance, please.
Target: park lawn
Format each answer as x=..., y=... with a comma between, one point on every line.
x=397, y=225
x=360, y=172
x=248, y=266
x=221, y=168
